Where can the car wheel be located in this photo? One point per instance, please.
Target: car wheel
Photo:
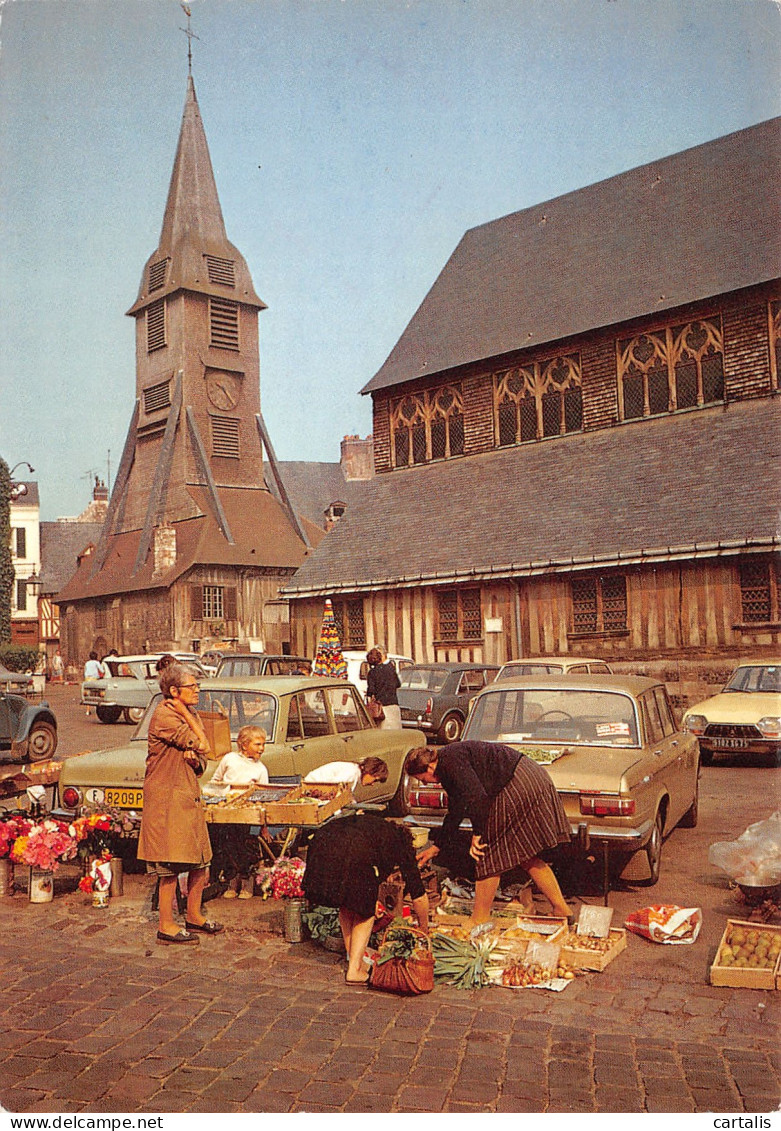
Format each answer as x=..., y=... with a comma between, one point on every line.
x=399, y=805
x=134, y=714
x=450, y=730
x=653, y=851
x=41, y=742
x=689, y=819
x=109, y=714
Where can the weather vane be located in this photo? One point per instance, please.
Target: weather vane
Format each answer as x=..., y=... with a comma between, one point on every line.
x=190, y=37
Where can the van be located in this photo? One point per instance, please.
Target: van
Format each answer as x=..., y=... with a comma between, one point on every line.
x=358, y=667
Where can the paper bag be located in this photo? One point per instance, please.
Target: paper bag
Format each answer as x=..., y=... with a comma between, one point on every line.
x=218, y=732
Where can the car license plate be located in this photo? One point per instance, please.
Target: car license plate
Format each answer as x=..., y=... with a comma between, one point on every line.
x=124, y=798
x=731, y=743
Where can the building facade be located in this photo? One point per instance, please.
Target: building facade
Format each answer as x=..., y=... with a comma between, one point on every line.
x=26, y=560
x=577, y=437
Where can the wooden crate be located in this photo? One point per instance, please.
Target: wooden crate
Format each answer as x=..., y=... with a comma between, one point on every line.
x=581, y=958
x=746, y=977
x=295, y=810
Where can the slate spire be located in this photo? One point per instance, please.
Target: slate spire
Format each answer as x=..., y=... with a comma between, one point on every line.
x=194, y=246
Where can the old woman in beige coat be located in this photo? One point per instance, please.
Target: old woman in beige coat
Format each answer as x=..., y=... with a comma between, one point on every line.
x=173, y=836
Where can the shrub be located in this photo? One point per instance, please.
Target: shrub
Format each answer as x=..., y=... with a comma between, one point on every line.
x=19, y=657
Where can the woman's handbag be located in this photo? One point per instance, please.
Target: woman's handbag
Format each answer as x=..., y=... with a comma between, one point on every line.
x=376, y=711
x=405, y=963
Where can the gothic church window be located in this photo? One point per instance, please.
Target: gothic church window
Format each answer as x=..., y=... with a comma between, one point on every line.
x=538, y=400
x=427, y=426
x=671, y=369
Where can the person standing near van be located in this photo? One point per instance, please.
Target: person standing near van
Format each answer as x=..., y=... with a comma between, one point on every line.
x=382, y=683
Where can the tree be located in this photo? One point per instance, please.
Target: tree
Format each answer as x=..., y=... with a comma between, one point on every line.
x=6, y=563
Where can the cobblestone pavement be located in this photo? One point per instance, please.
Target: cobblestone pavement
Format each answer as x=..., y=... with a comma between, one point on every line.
x=95, y=1017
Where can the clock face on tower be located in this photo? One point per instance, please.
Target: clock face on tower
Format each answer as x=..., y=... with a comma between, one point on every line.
x=223, y=389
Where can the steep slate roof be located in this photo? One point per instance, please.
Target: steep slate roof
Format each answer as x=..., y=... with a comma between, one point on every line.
x=653, y=490
x=61, y=544
x=264, y=537
x=313, y=486
x=700, y=223
x=193, y=224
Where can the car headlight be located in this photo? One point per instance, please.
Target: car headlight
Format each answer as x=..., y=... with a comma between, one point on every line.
x=770, y=726
x=695, y=724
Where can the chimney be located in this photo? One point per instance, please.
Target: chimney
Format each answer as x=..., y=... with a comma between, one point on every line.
x=357, y=458
x=164, y=549
x=100, y=492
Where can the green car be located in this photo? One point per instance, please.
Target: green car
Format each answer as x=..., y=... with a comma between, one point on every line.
x=309, y=721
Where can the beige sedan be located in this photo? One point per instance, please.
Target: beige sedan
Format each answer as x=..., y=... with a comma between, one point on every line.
x=744, y=718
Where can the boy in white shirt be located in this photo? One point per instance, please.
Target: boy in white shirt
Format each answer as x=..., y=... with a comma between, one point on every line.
x=364, y=773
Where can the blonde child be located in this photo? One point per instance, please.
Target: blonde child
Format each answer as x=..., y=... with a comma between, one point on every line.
x=236, y=852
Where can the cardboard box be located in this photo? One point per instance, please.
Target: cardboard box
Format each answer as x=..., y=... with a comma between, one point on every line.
x=582, y=958
x=746, y=977
x=218, y=732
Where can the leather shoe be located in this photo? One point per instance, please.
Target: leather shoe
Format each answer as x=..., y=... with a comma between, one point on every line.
x=179, y=937
x=207, y=928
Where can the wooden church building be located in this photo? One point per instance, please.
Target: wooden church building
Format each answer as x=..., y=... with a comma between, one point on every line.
x=195, y=545
x=577, y=436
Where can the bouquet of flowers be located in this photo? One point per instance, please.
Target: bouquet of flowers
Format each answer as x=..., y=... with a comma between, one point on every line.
x=99, y=876
x=10, y=830
x=283, y=881
x=99, y=830
x=44, y=845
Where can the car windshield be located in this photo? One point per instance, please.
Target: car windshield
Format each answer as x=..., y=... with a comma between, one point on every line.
x=589, y=718
x=755, y=677
x=241, y=708
x=513, y=671
x=423, y=679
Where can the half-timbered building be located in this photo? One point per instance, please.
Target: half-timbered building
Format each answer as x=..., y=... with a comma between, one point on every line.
x=577, y=436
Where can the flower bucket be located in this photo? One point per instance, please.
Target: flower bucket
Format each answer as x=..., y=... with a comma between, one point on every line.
x=294, y=927
x=6, y=876
x=41, y=886
x=100, y=899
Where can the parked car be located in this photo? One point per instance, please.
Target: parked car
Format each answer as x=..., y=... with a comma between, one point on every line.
x=309, y=721
x=28, y=731
x=130, y=684
x=435, y=697
x=553, y=665
x=745, y=717
x=20, y=682
x=210, y=660
x=624, y=771
x=241, y=664
x=358, y=667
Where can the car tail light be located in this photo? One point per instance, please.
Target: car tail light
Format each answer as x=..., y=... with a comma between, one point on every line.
x=429, y=706
x=770, y=727
x=428, y=798
x=592, y=805
x=71, y=797
x=695, y=724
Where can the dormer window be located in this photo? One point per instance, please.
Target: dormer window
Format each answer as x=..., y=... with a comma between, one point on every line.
x=220, y=271
x=157, y=274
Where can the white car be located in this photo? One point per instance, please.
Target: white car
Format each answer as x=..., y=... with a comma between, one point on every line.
x=358, y=667
x=743, y=718
x=553, y=665
x=130, y=684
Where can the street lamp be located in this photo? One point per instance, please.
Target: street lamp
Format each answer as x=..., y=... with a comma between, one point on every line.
x=34, y=585
x=19, y=489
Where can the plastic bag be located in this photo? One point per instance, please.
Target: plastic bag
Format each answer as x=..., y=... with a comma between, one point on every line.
x=666, y=923
x=754, y=858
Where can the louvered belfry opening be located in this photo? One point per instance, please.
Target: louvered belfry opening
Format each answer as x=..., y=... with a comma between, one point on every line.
x=224, y=323
x=155, y=326
x=157, y=274
x=157, y=397
x=220, y=271
x=225, y=436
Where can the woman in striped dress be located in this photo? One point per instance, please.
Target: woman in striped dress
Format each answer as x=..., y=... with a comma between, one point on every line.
x=514, y=808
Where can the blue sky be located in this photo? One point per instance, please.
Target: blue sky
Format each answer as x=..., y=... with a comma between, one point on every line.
x=353, y=143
